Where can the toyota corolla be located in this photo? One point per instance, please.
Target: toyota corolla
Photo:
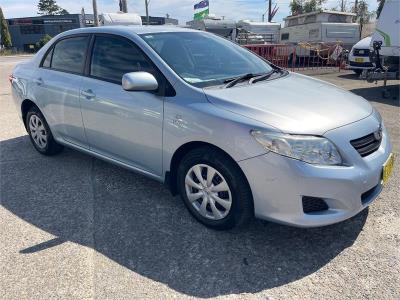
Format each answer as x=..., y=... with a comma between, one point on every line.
x=231, y=133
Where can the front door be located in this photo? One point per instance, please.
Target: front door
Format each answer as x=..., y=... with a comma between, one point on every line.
x=123, y=125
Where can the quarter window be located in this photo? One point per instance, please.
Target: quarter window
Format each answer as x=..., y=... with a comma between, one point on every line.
x=47, y=60
x=113, y=57
x=69, y=54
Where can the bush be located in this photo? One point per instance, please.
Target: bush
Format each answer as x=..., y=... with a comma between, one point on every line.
x=43, y=41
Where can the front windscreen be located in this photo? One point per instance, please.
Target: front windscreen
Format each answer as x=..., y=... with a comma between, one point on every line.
x=203, y=59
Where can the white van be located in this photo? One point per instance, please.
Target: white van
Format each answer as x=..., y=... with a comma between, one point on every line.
x=359, y=56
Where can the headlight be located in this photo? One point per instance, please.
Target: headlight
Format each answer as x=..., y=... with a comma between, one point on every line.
x=311, y=149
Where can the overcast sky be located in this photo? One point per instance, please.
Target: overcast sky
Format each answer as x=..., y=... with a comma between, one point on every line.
x=179, y=9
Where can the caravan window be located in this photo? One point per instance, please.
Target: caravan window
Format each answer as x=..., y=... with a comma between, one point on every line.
x=337, y=19
x=313, y=33
x=284, y=36
x=310, y=19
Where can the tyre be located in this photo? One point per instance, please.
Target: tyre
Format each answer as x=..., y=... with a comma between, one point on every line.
x=357, y=71
x=40, y=134
x=214, y=189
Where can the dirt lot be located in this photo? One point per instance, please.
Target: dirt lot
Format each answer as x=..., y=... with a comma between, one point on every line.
x=74, y=227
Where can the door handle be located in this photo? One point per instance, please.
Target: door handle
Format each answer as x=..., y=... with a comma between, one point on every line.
x=88, y=94
x=38, y=81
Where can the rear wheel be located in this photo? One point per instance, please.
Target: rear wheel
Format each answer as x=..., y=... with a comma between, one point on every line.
x=214, y=189
x=40, y=134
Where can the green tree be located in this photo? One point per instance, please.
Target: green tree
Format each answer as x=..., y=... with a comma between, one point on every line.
x=305, y=6
x=43, y=41
x=50, y=7
x=5, y=34
x=363, y=15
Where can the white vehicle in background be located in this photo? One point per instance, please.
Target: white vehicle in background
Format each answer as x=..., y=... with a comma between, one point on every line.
x=385, y=44
x=314, y=33
x=359, y=56
x=250, y=32
x=119, y=18
x=321, y=27
x=222, y=27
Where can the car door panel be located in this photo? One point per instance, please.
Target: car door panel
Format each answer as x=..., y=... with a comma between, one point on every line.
x=126, y=126
x=123, y=125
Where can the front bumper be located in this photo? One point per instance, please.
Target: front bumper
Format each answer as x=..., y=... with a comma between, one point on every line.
x=279, y=183
x=359, y=66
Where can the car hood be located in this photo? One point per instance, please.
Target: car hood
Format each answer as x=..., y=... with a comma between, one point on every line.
x=293, y=104
x=363, y=44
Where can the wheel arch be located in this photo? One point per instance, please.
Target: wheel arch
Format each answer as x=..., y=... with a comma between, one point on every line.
x=26, y=105
x=171, y=175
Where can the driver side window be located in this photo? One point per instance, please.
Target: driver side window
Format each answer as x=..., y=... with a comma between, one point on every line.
x=112, y=57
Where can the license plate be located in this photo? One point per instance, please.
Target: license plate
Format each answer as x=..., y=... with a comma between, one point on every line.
x=359, y=60
x=388, y=168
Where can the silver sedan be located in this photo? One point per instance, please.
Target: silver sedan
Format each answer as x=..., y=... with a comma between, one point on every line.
x=234, y=135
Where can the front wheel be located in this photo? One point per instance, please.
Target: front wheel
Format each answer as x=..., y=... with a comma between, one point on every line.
x=214, y=189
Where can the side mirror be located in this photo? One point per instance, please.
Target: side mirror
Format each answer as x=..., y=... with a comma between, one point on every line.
x=139, y=81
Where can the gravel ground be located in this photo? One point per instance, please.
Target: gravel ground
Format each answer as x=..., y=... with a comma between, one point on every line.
x=74, y=227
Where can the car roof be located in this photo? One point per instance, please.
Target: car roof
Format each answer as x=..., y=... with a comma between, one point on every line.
x=129, y=29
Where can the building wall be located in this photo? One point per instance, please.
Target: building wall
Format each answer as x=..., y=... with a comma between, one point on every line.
x=26, y=32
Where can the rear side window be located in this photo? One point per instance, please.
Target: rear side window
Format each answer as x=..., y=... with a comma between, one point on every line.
x=113, y=57
x=69, y=54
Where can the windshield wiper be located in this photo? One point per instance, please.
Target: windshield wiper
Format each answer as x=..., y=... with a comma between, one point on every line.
x=234, y=81
x=264, y=76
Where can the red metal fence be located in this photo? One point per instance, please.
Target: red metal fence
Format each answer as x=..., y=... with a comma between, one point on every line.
x=301, y=56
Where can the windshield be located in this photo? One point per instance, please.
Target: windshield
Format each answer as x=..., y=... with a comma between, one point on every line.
x=203, y=59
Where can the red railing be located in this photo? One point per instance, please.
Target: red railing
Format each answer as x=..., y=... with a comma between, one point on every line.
x=301, y=56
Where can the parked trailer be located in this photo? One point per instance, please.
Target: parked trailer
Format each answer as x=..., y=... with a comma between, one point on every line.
x=250, y=32
x=222, y=27
x=120, y=18
x=319, y=31
x=385, y=46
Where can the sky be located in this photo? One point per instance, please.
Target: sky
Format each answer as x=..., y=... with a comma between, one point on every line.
x=178, y=9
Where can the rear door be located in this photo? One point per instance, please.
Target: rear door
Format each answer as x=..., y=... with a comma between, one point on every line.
x=57, y=87
x=122, y=125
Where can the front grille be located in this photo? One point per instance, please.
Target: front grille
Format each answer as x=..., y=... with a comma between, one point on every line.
x=368, y=144
x=313, y=204
x=361, y=52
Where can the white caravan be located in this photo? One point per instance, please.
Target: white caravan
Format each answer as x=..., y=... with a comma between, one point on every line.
x=328, y=27
x=119, y=18
x=387, y=29
x=222, y=27
x=250, y=32
x=385, y=45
